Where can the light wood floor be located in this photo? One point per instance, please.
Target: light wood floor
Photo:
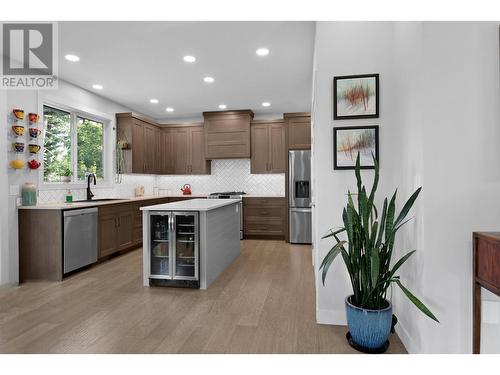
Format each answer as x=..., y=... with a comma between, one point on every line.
x=263, y=303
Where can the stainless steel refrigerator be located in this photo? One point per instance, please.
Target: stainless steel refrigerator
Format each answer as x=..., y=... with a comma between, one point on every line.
x=299, y=195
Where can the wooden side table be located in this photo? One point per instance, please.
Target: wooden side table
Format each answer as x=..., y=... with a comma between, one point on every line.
x=486, y=274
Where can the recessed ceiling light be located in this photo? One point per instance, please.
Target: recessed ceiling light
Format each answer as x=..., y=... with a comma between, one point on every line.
x=189, y=59
x=209, y=79
x=97, y=86
x=266, y=104
x=154, y=101
x=222, y=106
x=169, y=109
x=262, y=52
x=72, y=58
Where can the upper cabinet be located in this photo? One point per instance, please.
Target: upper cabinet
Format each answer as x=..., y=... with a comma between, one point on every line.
x=168, y=149
x=188, y=149
x=227, y=134
x=268, y=147
x=298, y=129
x=141, y=135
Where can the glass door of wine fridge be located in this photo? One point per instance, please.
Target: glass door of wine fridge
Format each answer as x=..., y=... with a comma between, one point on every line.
x=186, y=253
x=161, y=259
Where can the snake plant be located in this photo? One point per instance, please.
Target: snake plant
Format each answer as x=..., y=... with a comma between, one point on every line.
x=368, y=246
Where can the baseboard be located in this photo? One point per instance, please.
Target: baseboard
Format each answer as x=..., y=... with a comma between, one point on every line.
x=406, y=339
x=332, y=317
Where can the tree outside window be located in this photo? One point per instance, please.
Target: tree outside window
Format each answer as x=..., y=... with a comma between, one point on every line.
x=90, y=148
x=57, y=144
x=73, y=145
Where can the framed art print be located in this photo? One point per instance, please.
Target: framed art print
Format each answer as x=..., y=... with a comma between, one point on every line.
x=355, y=96
x=348, y=141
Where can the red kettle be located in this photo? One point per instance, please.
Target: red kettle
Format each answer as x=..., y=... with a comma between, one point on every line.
x=186, y=189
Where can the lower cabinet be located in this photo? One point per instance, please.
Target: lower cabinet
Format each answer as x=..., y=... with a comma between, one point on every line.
x=116, y=223
x=120, y=225
x=264, y=217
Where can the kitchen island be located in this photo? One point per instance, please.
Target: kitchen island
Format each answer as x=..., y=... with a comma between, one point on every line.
x=189, y=243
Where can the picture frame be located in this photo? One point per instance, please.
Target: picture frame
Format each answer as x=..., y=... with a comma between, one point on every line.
x=349, y=140
x=356, y=96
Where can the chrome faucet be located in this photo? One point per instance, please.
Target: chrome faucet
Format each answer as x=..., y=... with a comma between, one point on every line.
x=89, y=192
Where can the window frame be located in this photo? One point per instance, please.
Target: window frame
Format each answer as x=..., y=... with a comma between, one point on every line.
x=75, y=113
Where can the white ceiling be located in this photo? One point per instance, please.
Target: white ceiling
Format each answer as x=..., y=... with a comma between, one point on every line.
x=137, y=61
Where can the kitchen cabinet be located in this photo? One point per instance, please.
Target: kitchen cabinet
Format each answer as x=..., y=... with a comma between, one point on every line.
x=115, y=227
x=227, y=134
x=125, y=225
x=138, y=147
x=166, y=152
x=264, y=217
x=150, y=140
x=298, y=129
x=268, y=147
x=199, y=165
x=188, y=150
x=181, y=150
x=147, y=152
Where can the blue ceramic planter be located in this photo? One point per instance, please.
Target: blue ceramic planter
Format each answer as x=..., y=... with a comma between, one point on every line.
x=369, y=328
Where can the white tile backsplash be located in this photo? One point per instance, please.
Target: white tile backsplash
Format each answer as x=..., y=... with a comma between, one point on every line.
x=227, y=175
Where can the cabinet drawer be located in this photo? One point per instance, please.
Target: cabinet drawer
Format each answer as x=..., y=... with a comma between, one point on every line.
x=263, y=212
x=106, y=210
x=264, y=229
x=268, y=202
x=488, y=261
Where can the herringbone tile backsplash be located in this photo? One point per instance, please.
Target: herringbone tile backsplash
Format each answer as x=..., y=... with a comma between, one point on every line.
x=227, y=175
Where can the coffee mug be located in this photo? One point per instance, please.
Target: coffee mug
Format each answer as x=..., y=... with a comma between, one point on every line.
x=34, y=148
x=18, y=113
x=34, y=164
x=17, y=164
x=33, y=117
x=18, y=130
x=34, y=132
x=18, y=146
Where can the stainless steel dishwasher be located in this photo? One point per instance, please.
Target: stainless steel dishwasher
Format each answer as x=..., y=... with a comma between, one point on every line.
x=80, y=238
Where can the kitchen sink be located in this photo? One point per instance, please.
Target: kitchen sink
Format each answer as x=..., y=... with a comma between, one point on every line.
x=99, y=200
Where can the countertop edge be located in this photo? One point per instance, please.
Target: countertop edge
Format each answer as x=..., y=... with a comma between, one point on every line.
x=69, y=206
x=192, y=205
x=76, y=205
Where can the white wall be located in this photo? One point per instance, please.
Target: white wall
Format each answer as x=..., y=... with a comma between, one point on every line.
x=439, y=128
x=460, y=99
x=4, y=214
x=343, y=48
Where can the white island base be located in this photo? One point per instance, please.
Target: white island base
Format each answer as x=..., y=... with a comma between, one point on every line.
x=196, y=256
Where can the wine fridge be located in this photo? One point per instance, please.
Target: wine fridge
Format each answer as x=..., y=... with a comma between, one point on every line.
x=174, y=249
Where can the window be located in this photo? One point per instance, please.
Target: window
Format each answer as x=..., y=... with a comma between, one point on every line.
x=90, y=147
x=73, y=145
x=57, y=144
